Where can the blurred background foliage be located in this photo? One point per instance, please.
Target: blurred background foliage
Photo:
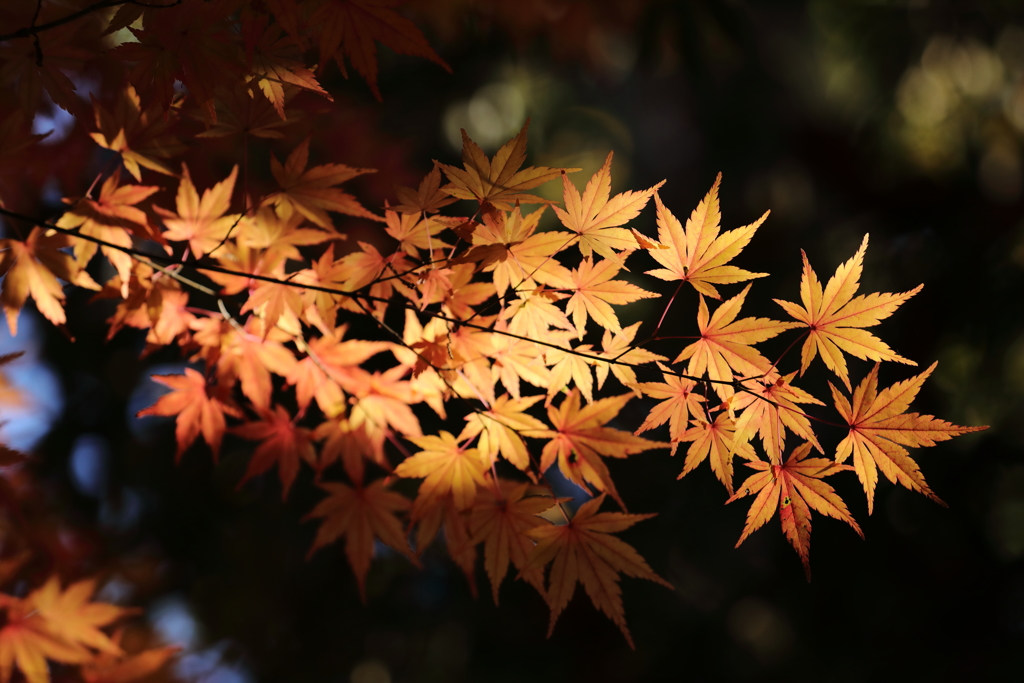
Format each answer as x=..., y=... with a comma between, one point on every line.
x=902, y=119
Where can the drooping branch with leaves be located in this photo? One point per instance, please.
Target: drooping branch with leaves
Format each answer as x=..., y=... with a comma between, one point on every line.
x=496, y=351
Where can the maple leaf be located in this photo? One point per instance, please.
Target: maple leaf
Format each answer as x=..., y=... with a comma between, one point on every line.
x=584, y=551
x=510, y=248
x=31, y=268
x=200, y=221
x=112, y=218
x=427, y=198
x=109, y=668
x=191, y=42
x=274, y=300
x=569, y=366
x=532, y=313
x=349, y=28
x=698, y=254
x=25, y=640
x=140, y=135
x=73, y=618
x=312, y=193
x=880, y=428
x=718, y=440
x=383, y=401
x=678, y=402
x=239, y=113
x=283, y=442
x=619, y=350
x=594, y=291
x=726, y=344
x=498, y=181
x=273, y=66
x=199, y=409
x=515, y=360
x=446, y=468
x=361, y=515
x=596, y=218
x=500, y=428
x=501, y=523
x=769, y=406
x=794, y=488
x=414, y=232
x=31, y=74
x=835, y=318
x=579, y=438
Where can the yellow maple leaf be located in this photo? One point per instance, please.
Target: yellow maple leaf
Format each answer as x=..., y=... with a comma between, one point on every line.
x=498, y=180
x=726, y=344
x=793, y=488
x=596, y=218
x=698, y=254
x=579, y=439
x=715, y=441
x=594, y=291
x=500, y=429
x=446, y=468
x=312, y=192
x=31, y=268
x=880, y=429
x=835, y=318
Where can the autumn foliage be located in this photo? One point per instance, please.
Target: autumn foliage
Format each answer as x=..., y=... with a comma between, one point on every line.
x=499, y=352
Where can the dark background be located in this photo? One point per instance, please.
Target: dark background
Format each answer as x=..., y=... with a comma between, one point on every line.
x=901, y=119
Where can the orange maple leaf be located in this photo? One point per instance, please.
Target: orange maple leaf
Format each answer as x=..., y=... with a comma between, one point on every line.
x=283, y=442
x=31, y=268
x=880, y=428
x=200, y=221
x=570, y=366
x=348, y=28
x=361, y=514
x=584, y=551
x=594, y=291
x=698, y=254
x=726, y=344
x=579, y=438
x=56, y=625
x=678, y=402
x=198, y=407
x=501, y=523
x=414, y=232
x=510, y=248
x=794, y=488
x=500, y=429
x=273, y=65
x=427, y=198
x=112, y=218
x=446, y=468
x=769, y=406
x=72, y=617
x=835, y=318
x=498, y=180
x=533, y=313
x=596, y=218
x=620, y=347
x=718, y=440
x=109, y=668
x=312, y=192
